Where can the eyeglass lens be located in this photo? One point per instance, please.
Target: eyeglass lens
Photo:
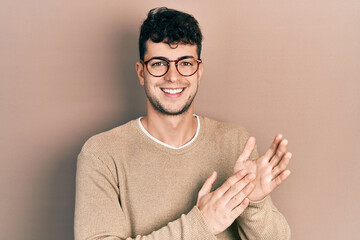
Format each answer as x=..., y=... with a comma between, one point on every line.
x=186, y=67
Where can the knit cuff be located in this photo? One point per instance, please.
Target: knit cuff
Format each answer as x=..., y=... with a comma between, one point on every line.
x=260, y=203
x=199, y=225
x=255, y=208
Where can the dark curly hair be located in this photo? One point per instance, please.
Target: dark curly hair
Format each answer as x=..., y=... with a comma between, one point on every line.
x=169, y=26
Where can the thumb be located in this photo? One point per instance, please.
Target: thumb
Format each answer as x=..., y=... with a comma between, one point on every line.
x=206, y=188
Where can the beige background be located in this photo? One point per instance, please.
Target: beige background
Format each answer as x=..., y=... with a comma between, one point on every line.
x=67, y=72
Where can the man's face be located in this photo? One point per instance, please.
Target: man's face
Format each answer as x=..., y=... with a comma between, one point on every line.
x=171, y=94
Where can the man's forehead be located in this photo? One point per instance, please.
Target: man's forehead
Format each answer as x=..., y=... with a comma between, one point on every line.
x=172, y=51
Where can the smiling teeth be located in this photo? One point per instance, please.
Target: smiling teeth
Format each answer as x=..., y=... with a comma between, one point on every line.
x=173, y=91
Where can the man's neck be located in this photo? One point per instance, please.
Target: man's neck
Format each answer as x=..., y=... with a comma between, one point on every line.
x=175, y=131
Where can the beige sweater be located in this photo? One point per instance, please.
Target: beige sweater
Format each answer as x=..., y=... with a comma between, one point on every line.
x=130, y=187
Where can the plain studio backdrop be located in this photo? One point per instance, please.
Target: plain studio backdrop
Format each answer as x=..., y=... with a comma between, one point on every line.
x=291, y=67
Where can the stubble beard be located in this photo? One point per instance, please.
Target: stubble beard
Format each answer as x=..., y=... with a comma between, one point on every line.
x=158, y=107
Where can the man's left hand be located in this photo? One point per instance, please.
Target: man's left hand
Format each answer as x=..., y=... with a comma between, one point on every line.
x=270, y=168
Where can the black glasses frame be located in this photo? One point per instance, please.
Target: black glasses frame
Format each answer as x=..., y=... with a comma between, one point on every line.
x=199, y=61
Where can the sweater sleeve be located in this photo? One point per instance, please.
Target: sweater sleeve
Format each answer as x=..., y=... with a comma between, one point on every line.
x=99, y=213
x=261, y=220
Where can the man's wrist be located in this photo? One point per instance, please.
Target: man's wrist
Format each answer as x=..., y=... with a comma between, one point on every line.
x=197, y=216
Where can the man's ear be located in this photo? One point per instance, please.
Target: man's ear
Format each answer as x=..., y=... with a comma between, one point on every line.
x=140, y=72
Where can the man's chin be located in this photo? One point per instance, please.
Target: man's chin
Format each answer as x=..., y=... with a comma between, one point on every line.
x=171, y=112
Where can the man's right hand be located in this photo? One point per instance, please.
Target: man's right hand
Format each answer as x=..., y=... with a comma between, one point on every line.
x=221, y=207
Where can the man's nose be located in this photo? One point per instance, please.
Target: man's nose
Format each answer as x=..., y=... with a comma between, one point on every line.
x=172, y=74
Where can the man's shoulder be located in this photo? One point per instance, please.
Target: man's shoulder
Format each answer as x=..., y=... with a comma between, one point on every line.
x=223, y=128
x=227, y=137
x=113, y=137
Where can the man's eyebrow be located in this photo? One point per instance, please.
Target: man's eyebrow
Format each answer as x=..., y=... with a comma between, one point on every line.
x=185, y=57
x=180, y=58
x=159, y=57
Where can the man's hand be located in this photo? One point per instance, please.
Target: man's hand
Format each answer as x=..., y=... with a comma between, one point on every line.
x=221, y=207
x=270, y=168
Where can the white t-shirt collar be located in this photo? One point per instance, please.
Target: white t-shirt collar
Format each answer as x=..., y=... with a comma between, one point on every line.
x=167, y=145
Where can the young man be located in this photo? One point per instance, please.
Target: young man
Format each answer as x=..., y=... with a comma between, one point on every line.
x=152, y=178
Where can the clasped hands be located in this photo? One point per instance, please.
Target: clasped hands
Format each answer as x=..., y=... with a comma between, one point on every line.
x=252, y=180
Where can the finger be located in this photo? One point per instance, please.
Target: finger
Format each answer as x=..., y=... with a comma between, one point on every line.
x=282, y=165
x=229, y=182
x=279, y=179
x=239, y=197
x=248, y=149
x=280, y=151
x=235, y=213
x=272, y=149
x=206, y=188
x=237, y=188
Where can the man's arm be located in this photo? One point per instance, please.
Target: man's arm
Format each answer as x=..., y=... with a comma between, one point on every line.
x=261, y=220
x=99, y=213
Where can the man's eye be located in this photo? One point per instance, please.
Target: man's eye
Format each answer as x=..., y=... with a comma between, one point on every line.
x=187, y=63
x=158, y=64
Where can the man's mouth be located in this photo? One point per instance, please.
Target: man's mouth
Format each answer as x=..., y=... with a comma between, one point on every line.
x=172, y=91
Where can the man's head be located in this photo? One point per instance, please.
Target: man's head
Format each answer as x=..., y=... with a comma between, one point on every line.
x=170, y=26
x=170, y=68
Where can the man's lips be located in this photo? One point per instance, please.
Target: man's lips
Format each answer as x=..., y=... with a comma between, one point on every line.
x=172, y=92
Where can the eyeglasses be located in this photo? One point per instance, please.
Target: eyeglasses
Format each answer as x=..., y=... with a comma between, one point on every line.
x=159, y=66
